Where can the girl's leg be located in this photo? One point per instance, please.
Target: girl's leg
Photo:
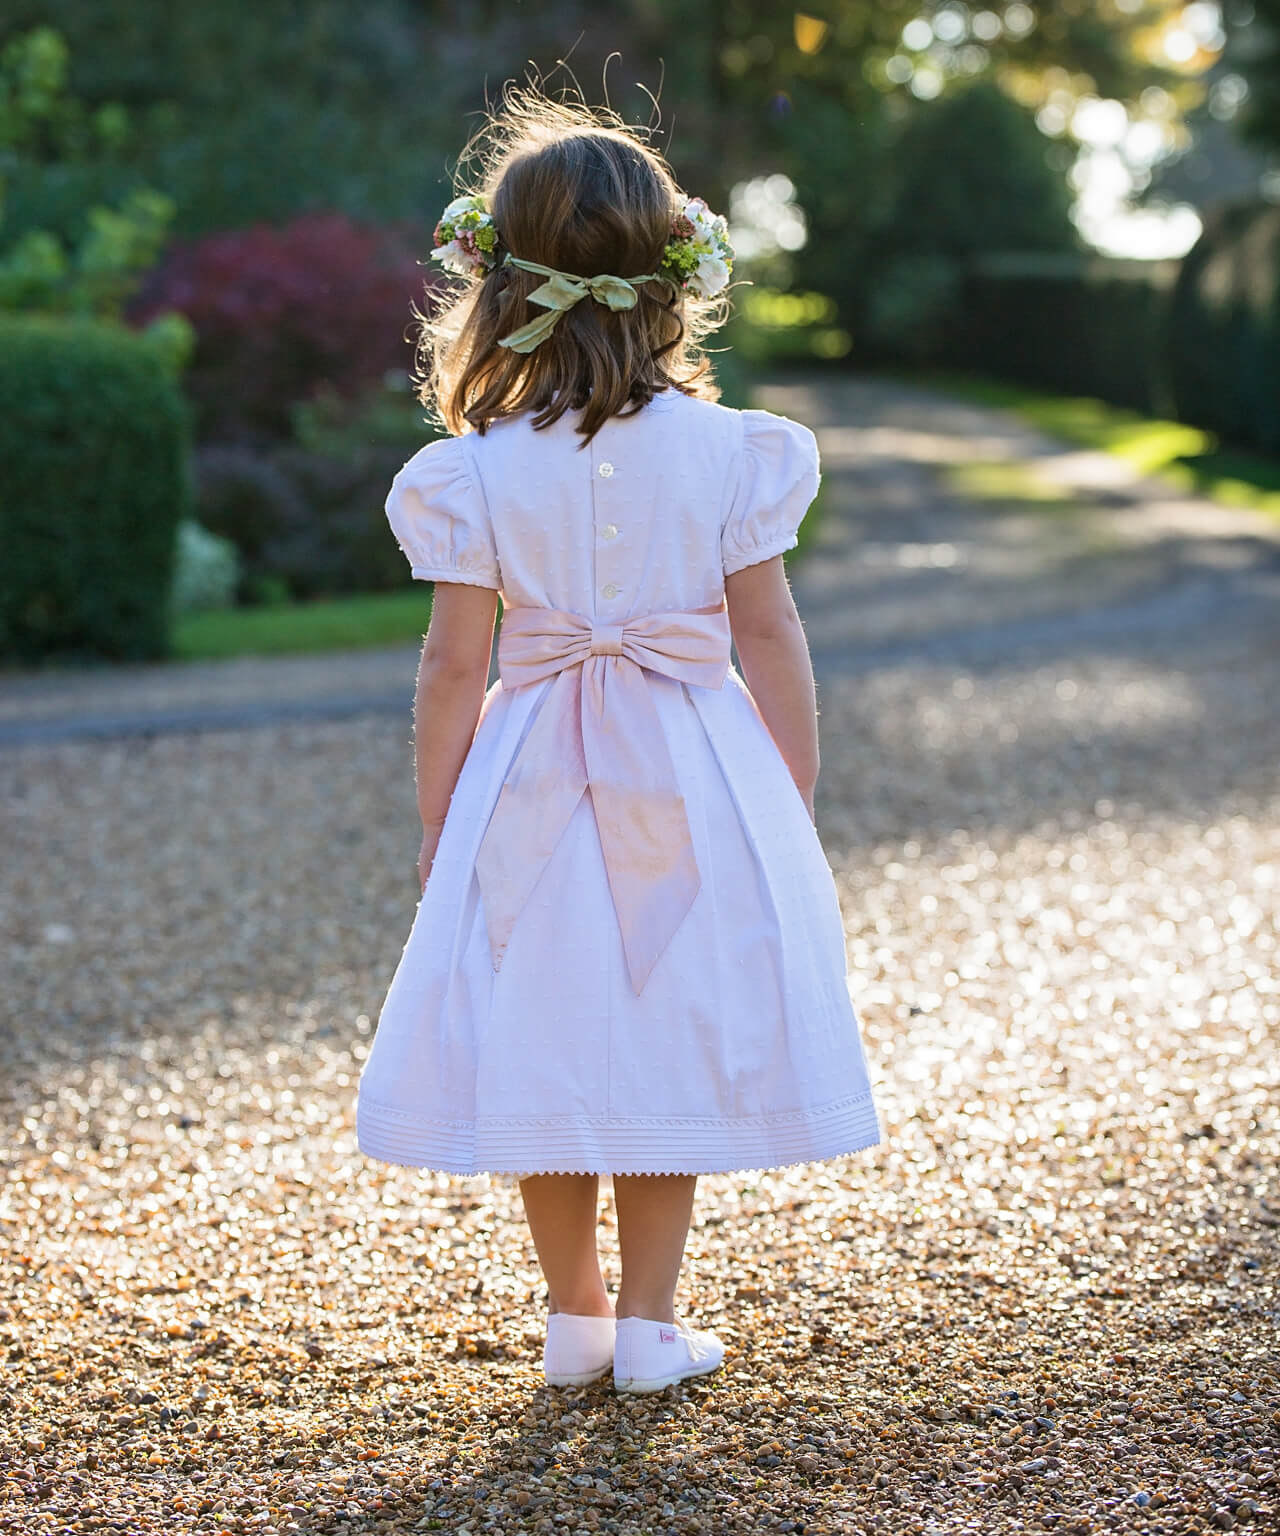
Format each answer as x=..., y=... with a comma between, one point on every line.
x=561, y=1209
x=654, y=1211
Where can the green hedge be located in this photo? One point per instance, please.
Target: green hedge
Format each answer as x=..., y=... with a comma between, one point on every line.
x=1071, y=325
x=1198, y=340
x=93, y=483
x=1224, y=335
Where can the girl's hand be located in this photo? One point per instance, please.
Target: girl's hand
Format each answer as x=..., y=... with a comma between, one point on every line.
x=427, y=853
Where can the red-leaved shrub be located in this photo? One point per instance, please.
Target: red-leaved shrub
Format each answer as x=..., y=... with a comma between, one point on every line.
x=281, y=313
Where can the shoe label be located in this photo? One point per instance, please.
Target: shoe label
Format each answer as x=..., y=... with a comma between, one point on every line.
x=667, y=1335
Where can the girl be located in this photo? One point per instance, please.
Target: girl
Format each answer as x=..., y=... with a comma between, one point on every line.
x=628, y=957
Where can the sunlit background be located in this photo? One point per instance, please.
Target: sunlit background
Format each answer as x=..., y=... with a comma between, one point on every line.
x=1018, y=265
x=236, y=202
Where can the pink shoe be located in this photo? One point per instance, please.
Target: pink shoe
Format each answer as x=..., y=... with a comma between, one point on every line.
x=578, y=1349
x=651, y=1355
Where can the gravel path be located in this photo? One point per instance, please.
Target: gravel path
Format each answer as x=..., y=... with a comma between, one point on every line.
x=1048, y=1302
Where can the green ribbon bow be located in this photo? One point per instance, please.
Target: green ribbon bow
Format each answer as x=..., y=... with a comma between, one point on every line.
x=561, y=291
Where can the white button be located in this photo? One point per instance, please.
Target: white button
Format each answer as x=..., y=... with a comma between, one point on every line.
x=611, y=590
x=606, y=469
x=609, y=531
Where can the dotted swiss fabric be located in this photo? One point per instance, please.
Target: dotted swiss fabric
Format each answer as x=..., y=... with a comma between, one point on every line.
x=743, y=1049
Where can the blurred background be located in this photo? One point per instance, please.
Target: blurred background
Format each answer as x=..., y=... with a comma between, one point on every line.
x=215, y=222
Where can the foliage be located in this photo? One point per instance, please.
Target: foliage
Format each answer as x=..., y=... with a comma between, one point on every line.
x=93, y=268
x=92, y=486
x=771, y=326
x=1077, y=325
x=1224, y=337
x=207, y=570
x=970, y=173
x=308, y=521
x=283, y=314
x=263, y=112
x=908, y=131
x=389, y=416
x=1188, y=457
x=1259, y=62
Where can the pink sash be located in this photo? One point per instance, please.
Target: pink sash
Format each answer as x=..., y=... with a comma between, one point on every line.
x=599, y=728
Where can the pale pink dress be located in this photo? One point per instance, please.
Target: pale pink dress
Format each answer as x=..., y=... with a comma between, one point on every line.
x=742, y=1049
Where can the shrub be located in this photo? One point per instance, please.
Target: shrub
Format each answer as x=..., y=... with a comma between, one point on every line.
x=1080, y=326
x=1224, y=337
x=307, y=516
x=319, y=305
x=900, y=203
x=770, y=327
x=46, y=133
x=971, y=172
x=207, y=570
x=93, y=483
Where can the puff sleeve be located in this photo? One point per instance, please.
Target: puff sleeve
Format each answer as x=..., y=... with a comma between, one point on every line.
x=778, y=479
x=437, y=512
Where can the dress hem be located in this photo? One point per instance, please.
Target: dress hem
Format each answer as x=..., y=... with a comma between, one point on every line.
x=688, y=1146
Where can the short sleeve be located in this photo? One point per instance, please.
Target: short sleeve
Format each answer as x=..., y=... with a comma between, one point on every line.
x=437, y=512
x=778, y=479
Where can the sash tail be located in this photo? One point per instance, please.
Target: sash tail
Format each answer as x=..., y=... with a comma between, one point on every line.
x=541, y=792
x=640, y=813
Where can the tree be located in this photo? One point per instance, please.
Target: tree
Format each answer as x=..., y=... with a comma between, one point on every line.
x=43, y=128
x=1260, y=64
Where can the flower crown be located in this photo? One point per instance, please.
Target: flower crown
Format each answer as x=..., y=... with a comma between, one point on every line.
x=697, y=258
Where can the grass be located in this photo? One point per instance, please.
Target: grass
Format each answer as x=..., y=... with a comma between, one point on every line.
x=1187, y=457
x=1004, y=482
x=335, y=624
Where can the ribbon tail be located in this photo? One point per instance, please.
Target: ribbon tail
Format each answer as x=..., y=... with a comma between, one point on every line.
x=541, y=792
x=640, y=814
x=530, y=336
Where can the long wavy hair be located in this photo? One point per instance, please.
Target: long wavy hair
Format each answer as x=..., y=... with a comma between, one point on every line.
x=570, y=187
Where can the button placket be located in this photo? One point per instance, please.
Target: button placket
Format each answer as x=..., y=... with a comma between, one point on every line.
x=611, y=577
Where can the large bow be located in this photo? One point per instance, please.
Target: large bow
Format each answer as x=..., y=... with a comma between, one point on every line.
x=599, y=728
x=561, y=291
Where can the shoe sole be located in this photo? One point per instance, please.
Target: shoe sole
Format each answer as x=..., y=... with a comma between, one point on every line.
x=658, y=1383
x=580, y=1380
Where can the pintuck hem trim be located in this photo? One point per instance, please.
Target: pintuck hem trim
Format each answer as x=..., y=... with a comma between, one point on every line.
x=584, y=1145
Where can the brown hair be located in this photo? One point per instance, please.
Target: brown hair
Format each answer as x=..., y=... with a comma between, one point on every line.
x=570, y=187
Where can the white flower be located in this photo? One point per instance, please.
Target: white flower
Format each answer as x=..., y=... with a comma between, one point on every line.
x=453, y=258
x=702, y=219
x=457, y=206
x=709, y=276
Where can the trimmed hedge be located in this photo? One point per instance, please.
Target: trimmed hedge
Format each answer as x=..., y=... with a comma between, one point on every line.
x=93, y=484
x=1224, y=334
x=1071, y=325
x=1198, y=340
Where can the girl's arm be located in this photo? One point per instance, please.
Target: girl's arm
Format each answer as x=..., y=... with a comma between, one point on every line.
x=453, y=673
x=776, y=666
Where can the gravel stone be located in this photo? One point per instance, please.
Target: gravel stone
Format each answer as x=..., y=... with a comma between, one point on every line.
x=1046, y=1303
